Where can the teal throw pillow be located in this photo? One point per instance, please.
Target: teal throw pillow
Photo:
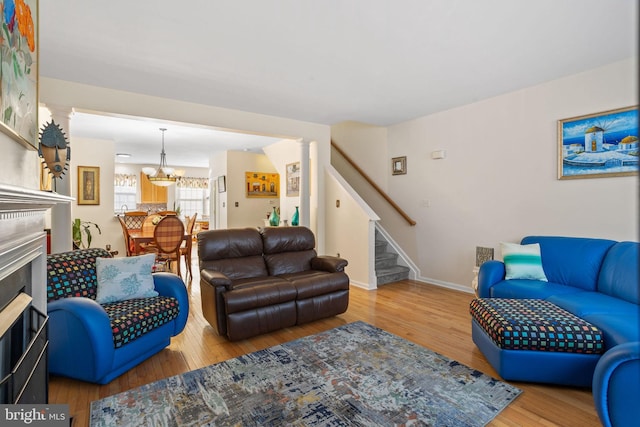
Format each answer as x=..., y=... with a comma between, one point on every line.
x=523, y=261
x=121, y=279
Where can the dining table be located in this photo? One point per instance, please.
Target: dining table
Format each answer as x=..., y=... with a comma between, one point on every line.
x=145, y=236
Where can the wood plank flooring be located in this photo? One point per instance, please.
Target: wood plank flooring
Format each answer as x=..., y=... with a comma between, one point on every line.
x=431, y=316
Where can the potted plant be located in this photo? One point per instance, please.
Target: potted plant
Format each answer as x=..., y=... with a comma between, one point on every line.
x=80, y=228
x=177, y=209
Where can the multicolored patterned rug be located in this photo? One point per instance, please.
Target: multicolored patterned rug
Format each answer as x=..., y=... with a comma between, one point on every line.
x=355, y=374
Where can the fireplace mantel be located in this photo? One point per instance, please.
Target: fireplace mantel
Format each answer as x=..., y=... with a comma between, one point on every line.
x=23, y=280
x=13, y=198
x=22, y=235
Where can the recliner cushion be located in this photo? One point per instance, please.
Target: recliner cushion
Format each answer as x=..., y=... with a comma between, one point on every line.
x=236, y=252
x=313, y=283
x=272, y=292
x=287, y=239
x=288, y=249
x=289, y=262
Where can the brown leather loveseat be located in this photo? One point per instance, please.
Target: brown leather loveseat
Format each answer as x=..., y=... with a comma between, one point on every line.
x=257, y=281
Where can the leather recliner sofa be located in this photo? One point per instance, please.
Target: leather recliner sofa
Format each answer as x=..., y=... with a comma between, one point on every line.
x=257, y=281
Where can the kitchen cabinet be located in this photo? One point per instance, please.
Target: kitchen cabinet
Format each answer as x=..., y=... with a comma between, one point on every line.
x=151, y=193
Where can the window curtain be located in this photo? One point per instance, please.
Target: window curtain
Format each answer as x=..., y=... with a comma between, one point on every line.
x=125, y=180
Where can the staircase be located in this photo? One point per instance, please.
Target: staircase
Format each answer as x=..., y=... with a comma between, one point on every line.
x=387, y=268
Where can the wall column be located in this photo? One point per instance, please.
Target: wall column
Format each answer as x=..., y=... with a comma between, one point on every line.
x=61, y=239
x=305, y=214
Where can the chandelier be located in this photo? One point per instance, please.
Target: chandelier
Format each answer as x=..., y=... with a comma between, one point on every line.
x=163, y=176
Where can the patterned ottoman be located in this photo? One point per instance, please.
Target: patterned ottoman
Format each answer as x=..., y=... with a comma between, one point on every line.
x=536, y=341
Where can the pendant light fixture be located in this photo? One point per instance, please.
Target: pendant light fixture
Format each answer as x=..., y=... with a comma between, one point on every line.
x=163, y=176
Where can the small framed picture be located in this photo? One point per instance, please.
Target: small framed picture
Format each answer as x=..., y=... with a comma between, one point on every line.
x=399, y=165
x=88, y=185
x=222, y=184
x=293, y=179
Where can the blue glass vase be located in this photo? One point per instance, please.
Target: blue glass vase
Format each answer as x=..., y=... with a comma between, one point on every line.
x=274, y=218
x=295, y=219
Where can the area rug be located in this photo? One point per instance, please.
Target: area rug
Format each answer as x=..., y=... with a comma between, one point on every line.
x=355, y=374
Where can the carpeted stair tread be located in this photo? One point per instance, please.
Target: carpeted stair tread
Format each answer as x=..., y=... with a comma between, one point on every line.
x=392, y=274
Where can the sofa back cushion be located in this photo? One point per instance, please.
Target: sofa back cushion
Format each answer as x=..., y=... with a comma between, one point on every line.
x=237, y=253
x=73, y=273
x=619, y=272
x=288, y=249
x=571, y=261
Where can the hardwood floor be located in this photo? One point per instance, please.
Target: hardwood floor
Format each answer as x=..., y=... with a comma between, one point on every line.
x=431, y=316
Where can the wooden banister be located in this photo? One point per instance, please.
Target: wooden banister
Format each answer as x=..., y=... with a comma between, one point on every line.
x=373, y=184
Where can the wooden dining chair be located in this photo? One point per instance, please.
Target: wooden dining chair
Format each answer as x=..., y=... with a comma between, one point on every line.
x=134, y=219
x=187, y=245
x=166, y=213
x=167, y=238
x=128, y=244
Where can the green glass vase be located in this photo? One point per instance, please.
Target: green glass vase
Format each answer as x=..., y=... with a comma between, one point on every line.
x=295, y=219
x=274, y=218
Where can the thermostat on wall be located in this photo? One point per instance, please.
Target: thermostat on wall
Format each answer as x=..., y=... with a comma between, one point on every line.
x=438, y=154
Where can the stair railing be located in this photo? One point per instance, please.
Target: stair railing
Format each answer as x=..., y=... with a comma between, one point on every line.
x=384, y=195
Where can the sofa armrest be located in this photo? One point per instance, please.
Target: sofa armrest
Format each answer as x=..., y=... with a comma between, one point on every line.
x=80, y=339
x=328, y=263
x=491, y=272
x=216, y=278
x=616, y=385
x=172, y=285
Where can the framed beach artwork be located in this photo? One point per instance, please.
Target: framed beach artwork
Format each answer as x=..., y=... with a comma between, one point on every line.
x=262, y=184
x=599, y=145
x=19, y=72
x=88, y=185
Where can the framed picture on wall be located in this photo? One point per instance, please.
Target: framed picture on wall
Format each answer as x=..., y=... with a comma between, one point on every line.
x=293, y=179
x=88, y=185
x=222, y=184
x=262, y=184
x=19, y=79
x=399, y=165
x=599, y=145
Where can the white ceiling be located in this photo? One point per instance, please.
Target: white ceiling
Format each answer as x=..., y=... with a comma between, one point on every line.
x=374, y=61
x=186, y=145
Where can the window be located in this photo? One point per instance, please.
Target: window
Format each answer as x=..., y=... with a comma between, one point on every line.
x=124, y=192
x=192, y=195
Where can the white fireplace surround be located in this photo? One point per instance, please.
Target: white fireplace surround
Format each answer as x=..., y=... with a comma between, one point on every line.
x=22, y=235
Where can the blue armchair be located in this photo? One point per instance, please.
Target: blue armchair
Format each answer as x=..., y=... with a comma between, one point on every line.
x=97, y=343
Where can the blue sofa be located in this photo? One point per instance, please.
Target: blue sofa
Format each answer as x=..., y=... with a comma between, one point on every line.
x=97, y=343
x=597, y=280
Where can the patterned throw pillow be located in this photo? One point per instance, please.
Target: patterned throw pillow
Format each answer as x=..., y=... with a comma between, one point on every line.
x=523, y=261
x=121, y=279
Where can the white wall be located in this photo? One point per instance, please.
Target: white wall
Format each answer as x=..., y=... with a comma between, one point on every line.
x=218, y=200
x=281, y=154
x=499, y=179
x=351, y=234
x=93, y=98
x=250, y=212
x=101, y=153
